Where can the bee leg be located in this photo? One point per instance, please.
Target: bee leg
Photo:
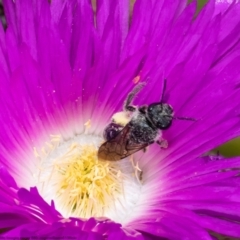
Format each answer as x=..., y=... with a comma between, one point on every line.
x=131, y=96
x=162, y=143
x=136, y=170
x=130, y=108
x=146, y=148
x=143, y=109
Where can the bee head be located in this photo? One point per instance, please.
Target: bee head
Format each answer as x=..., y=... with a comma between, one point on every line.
x=160, y=115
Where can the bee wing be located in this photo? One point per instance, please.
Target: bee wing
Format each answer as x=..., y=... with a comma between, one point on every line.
x=119, y=147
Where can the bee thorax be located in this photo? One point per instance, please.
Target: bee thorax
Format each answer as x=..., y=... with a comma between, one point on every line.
x=141, y=131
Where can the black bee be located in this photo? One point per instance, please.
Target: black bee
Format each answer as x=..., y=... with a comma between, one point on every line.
x=136, y=128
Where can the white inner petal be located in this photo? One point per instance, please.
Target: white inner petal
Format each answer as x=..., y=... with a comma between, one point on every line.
x=46, y=179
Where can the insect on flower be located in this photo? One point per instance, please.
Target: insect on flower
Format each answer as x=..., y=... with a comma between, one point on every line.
x=135, y=128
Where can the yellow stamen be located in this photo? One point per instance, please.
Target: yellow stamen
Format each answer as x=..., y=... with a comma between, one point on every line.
x=137, y=169
x=81, y=185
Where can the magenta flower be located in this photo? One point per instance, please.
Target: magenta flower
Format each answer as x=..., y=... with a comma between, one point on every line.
x=65, y=71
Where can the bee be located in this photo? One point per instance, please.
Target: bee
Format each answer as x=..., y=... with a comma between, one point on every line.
x=135, y=128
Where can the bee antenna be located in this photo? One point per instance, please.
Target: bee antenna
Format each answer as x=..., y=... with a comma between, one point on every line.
x=185, y=118
x=163, y=89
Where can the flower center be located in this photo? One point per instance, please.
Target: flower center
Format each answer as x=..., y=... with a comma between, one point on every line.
x=80, y=184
